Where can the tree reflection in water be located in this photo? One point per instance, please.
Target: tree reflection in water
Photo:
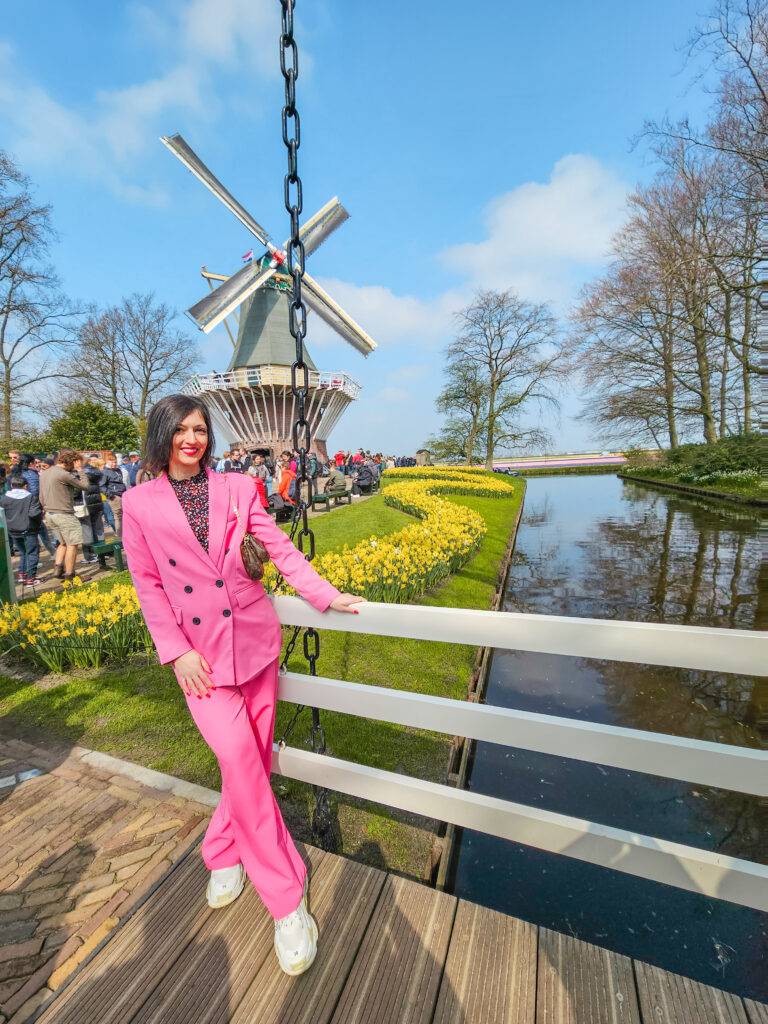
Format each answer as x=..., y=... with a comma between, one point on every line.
x=594, y=547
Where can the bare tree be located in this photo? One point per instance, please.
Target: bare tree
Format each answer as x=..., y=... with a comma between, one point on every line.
x=132, y=354
x=733, y=38
x=515, y=350
x=626, y=337
x=464, y=400
x=457, y=440
x=671, y=329
x=673, y=320
x=36, y=323
x=100, y=359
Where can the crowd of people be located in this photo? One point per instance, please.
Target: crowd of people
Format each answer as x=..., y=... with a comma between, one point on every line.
x=65, y=501
x=277, y=476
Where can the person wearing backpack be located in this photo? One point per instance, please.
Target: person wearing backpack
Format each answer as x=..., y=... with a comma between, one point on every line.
x=23, y=516
x=114, y=488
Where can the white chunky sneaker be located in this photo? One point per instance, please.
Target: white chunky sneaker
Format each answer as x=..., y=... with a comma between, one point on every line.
x=296, y=938
x=225, y=885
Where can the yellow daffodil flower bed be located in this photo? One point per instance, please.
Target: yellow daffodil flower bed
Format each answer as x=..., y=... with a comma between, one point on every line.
x=77, y=627
x=437, y=472
x=400, y=566
x=84, y=626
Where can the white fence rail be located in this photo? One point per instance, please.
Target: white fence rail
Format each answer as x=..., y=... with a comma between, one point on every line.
x=643, y=643
x=740, y=769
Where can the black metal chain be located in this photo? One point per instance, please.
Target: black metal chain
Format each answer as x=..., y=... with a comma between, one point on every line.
x=301, y=437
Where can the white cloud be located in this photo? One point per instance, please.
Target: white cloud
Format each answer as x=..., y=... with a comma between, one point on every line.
x=392, y=395
x=540, y=236
x=232, y=32
x=542, y=239
x=105, y=136
x=391, y=319
x=407, y=373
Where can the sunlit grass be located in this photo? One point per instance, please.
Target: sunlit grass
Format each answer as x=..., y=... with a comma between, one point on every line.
x=139, y=713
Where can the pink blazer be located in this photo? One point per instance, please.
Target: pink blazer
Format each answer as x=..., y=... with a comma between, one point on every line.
x=191, y=599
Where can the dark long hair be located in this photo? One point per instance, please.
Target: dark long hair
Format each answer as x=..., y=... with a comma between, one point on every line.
x=162, y=423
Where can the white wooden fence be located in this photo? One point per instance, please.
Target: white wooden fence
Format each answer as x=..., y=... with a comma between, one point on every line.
x=741, y=769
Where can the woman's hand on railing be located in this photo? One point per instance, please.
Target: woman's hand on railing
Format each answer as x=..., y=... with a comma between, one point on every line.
x=192, y=674
x=344, y=602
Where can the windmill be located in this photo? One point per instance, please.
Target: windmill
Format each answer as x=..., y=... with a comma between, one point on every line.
x=252, y=400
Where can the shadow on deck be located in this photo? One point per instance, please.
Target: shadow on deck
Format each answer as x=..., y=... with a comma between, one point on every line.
x=391, y=951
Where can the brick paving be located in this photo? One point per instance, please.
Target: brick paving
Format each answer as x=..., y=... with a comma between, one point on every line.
x=80, y=848
x=49, y=582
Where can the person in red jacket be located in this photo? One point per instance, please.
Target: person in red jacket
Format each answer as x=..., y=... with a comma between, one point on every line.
x=261, y=490
x=287, y=476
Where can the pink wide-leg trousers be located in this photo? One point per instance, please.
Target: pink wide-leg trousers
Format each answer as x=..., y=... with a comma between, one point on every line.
x=237, y=723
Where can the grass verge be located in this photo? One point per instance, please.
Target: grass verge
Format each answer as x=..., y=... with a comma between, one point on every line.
x=139, y=713
x=751, y=493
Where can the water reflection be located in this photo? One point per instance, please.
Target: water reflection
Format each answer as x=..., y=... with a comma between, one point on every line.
x=592, y=546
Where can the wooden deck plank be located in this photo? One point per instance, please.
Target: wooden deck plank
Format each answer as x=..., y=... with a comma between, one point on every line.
x=396, y=974
x=220, y=963
x=116, y=982
x=391, y=951
x=756, y=1012
x=342, y=896
x=579, y=983
x=490, y=970
x=204, y=981
x=673, y=999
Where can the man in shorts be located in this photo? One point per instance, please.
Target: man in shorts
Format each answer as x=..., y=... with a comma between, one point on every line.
x=58, y=487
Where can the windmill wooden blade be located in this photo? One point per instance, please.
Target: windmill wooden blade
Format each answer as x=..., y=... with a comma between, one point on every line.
x=322, y=303
x=211, y=310
x=315, y=231
x=192, y=162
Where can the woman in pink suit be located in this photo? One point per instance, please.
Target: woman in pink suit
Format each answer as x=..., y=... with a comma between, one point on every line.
x=182, y=532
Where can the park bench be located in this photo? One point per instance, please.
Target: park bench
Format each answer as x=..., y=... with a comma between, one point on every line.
x=109, y=547
x=326, y=497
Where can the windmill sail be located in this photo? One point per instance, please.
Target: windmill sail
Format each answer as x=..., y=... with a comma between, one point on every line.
x=192, y=161
x=321, y=302
x=253, y=400
x=213, y=308
x=315, y=231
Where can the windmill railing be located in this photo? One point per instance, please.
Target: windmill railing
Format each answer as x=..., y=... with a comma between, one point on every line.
x=271, y=376
x=741, y=769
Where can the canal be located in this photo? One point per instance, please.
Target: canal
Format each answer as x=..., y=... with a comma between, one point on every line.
x=595, y=547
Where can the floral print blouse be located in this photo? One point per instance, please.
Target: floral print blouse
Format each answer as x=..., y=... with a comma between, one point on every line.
x=193, y=498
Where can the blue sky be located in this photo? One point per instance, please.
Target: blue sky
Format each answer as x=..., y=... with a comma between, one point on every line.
x=484, y=146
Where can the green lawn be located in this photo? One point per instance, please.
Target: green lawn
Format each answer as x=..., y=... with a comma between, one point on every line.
x=138, y=712
x=349, y=524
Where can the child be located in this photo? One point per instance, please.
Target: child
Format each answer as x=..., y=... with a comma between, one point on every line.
x=23, y=516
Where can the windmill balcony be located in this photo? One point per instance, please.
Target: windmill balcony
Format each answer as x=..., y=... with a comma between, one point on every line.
x=280, y=376
x=254, y=406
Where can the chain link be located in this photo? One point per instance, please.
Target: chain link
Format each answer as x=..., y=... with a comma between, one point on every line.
x=297, y=322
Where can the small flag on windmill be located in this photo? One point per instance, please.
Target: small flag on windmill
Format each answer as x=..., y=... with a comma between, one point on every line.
x=248, y=256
